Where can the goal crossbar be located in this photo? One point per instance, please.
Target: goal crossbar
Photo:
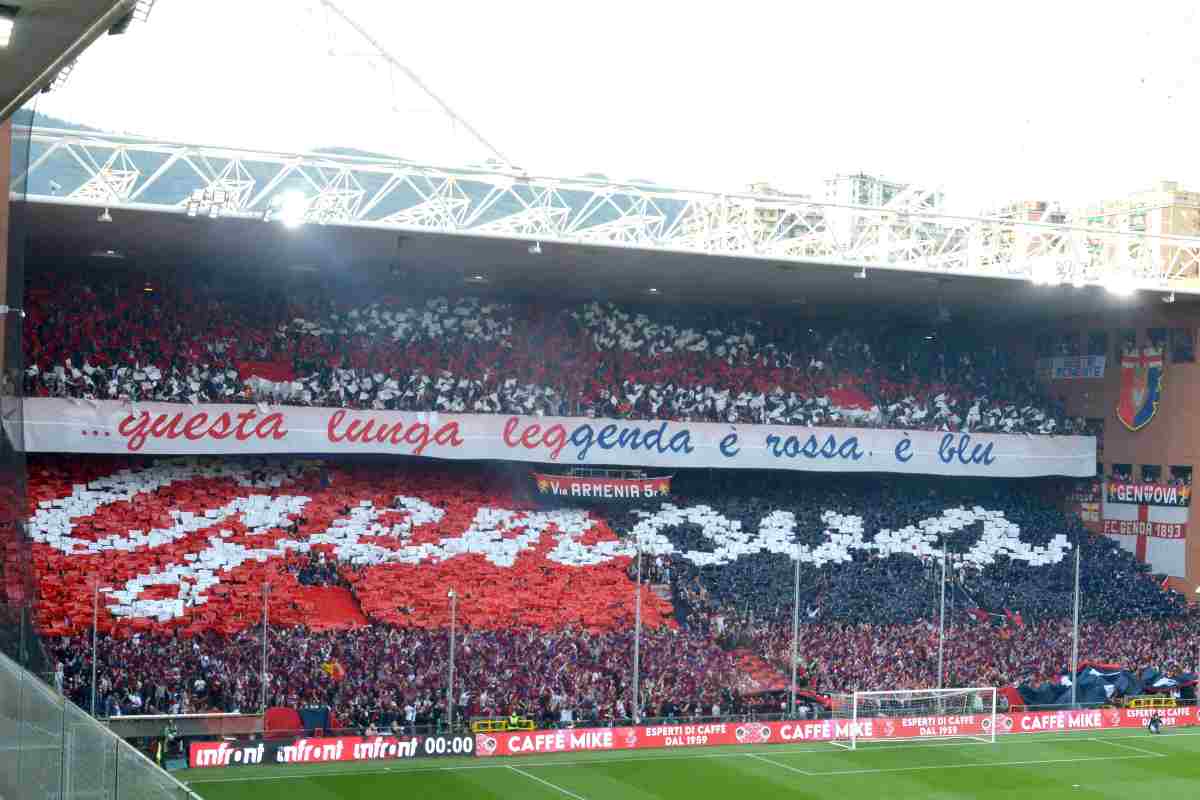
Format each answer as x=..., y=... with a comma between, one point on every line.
x=916, y=714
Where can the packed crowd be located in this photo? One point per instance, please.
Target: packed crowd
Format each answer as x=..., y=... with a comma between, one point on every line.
x=844, y=656
x=853, y=517
x=385, y=674
x=187, y=345
x=571, y=677
x=546, y=614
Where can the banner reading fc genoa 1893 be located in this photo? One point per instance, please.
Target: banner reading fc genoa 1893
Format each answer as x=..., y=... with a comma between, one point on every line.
x=602, y=488
x=1155, y=533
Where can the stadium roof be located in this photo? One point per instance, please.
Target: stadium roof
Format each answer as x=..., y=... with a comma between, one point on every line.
x=491, y=228
x=129, y=175
x=425, y=262
x=47, y=35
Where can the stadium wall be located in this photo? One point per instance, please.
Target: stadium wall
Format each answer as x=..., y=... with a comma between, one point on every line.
x=16, y=577
x=1172, y=438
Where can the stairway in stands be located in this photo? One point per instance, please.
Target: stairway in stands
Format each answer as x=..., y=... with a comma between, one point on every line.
x=757, y=675
x=663, y=590
x=334, y=608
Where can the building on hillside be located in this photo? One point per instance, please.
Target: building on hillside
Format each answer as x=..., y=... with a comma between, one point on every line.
x=860, y=189
x=752, y=219
x=768, y=216
x=1030, y=211
x=1165, y=209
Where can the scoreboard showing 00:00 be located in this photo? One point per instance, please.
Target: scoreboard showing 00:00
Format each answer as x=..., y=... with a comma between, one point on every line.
x=448, y=745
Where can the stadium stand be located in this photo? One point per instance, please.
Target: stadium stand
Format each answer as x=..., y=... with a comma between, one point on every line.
x=192, y=345
x=546, y=596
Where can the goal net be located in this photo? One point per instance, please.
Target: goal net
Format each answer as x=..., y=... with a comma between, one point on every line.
x=915, y=714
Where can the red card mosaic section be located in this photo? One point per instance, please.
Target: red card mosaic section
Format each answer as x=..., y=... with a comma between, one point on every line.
x=157, y=567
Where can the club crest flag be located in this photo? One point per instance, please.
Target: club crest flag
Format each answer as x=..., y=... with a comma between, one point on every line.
x=1141, y=387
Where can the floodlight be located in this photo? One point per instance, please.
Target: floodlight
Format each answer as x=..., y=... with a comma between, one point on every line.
x=8, y=15
x=1121, y=285
x=293, y=205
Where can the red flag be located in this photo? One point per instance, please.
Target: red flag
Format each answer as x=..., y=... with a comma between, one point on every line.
x=1166, y=583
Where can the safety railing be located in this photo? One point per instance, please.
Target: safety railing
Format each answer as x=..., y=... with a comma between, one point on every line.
x=51, y=748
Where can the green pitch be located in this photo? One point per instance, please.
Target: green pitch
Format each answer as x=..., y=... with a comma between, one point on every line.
x=1118, y=764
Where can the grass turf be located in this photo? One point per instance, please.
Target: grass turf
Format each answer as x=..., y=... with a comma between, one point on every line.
x=1119, y=764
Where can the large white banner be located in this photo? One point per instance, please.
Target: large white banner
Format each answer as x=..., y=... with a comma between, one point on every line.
x=1155, y=534
x=114, y=427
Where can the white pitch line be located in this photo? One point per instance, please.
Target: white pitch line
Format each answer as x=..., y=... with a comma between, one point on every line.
x=975, y=766
x=553, y=786
x=1128, y=747
x=779, y=764
x=785, y=749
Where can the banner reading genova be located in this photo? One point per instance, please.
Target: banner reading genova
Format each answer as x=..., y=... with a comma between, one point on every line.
x=54, y=425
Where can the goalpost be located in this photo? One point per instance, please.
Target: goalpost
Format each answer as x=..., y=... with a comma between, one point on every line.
x=913, y=714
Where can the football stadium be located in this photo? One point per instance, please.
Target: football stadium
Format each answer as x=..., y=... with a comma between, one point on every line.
x=336, y=471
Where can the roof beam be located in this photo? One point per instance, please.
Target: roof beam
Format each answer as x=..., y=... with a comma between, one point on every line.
x=392, y=194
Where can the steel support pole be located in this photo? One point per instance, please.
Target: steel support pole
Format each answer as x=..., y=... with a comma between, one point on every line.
x=795, y=629
x=95, y=623
x=1075, y=631
x=942, y=625
x=450, y=680
x=637, y=640
x=265, y=679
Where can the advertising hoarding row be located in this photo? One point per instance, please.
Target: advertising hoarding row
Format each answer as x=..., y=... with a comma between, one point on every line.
x=241, y=752
x=321, y=749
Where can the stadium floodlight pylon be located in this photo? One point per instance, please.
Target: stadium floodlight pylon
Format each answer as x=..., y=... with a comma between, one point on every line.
x=915, y=714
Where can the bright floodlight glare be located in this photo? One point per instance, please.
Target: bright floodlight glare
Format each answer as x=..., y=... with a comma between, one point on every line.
x=1044, y=271
x=1120, y=285
x=292, y=206
x=6, y=28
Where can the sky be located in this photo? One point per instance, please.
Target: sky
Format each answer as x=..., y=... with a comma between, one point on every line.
x=1061, y=100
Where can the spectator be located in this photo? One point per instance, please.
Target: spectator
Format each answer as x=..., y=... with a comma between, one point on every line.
x=188, y=345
